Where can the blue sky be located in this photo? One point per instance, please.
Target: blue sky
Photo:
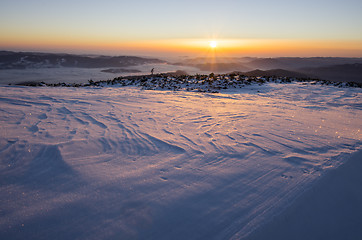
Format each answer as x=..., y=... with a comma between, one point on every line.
x=125, y=21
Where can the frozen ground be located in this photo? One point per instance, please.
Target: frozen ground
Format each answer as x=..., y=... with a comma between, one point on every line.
x=124, y=163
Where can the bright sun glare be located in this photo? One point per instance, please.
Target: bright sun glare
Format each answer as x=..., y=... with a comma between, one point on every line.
x=213, y=44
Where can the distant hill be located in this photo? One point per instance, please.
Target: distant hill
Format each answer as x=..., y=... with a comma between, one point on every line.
x=343, y=72
x=250, y=63
x=295, y=63
x=218, y=65
x=22, y=60
x=327, y=68
x=221, y=67
x=275, y=73
x=337, y=73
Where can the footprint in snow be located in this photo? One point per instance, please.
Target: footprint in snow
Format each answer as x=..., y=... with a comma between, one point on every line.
x=286, y=176
x=33, y=128
x=42, y=116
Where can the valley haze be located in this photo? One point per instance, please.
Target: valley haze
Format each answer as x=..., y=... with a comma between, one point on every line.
x=17, y=67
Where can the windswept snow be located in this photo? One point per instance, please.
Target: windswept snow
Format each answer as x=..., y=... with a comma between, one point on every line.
x=330, y=209
x=125, y=163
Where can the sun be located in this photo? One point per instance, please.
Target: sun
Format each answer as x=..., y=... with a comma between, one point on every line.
x=213, y=44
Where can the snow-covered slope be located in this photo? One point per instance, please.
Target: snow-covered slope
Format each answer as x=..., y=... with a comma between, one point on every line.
x=125, y=163
x=330, y=209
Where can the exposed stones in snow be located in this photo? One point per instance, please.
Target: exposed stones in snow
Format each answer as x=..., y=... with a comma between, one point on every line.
x=196, y=83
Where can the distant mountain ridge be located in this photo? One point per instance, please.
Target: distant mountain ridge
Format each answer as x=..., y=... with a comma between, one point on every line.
x=275, y=73
x=343, y=72
x=23, y=60
x=325, y=68
x=338, y=73
x=221, y=67
x=296, y=63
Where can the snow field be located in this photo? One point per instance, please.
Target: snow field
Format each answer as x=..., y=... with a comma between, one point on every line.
x=125, y=163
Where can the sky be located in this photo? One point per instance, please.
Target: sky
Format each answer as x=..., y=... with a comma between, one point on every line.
x=159, y=27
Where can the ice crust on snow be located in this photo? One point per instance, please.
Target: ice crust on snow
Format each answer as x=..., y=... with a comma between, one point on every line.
x=125, y=163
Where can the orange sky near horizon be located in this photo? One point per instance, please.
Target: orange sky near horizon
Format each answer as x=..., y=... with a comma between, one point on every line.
x=192, y=47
